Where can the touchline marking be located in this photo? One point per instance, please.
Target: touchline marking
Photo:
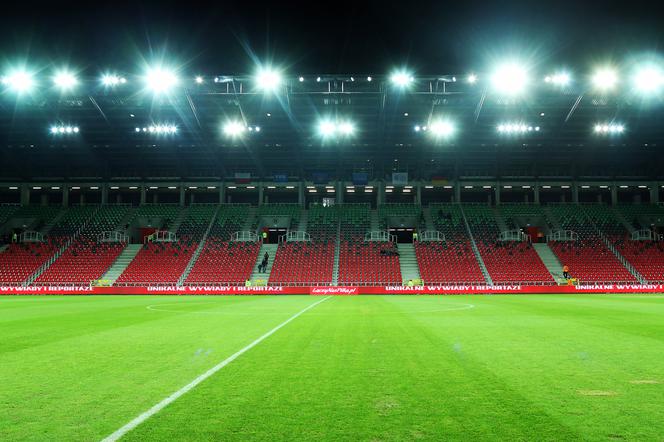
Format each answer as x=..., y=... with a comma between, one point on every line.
x=138, y=420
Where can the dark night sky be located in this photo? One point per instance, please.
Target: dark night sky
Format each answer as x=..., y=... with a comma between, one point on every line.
x=328, y=37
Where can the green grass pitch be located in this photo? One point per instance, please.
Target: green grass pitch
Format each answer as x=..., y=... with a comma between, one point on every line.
x=375, y=368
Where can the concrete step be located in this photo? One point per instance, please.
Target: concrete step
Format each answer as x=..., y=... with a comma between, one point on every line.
x=122, y=262
x=551, y=261
x=271, y=250
x=337, y=248
x=408, y=262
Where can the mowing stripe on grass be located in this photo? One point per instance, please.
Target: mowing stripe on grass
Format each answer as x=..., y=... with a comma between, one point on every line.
x=138, y=420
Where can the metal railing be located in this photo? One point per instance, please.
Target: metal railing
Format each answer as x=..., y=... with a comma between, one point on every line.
x=295, y=236
x=644, y=235
x=563, y=235
x=379, y=235
x=244, y=236
x=31, y=236
x=431, y=235
x=112, y=236
x=513, y=235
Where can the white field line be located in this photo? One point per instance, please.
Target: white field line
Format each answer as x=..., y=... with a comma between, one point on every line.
x=138, y=420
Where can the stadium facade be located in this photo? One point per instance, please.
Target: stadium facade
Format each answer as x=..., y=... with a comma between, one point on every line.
x=392, y=184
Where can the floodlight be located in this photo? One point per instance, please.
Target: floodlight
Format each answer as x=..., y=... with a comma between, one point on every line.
x=441, y=128
x=346, y=128
x=516, y=128
x=609, y=128
x=268, y=79
x=65, y=80
x=558, y=79
x=327, y=128
x=57, y=130
x=110, y=80
x=472, y=78
x=19, y=81
x=160, y=80
x=401, y=78
x=234, y=128
x=605, y=79
x=510, y=79
x=648, y=80
x=159, y=129
x=199, y=80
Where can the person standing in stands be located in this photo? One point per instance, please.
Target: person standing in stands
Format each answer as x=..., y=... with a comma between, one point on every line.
x=565, y=272
x=266, y=259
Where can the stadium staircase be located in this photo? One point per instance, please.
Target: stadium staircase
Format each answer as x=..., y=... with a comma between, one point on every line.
x=620, y=217
x=302, y=224
x=551, y=219
x=337, y=248
x=500, y=221
x=551, y=261
x=408, y=262
x=126, y=219
x=593, y=214
x=271, y=249
x=175, y=225
x=476, y=251
x=428, y=222
x=199, y=249
x=122, y=262
x=375, y=221
x=250, y=222
x=48, y=226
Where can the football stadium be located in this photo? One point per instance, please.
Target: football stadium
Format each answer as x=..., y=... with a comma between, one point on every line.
x=280, y=253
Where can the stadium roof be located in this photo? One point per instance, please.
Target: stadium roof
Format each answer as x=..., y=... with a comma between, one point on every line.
x=263, y=123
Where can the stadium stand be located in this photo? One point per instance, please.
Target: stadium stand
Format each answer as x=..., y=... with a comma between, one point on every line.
x=362, y=262
x=158, y=263
x=19, y=261
x=308, y=262
x=86, y=259
x=507, y=262
x=451, y=261
x=223, y=261
x=588, y=258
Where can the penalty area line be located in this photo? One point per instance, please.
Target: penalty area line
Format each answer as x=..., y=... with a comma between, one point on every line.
x=138, y=420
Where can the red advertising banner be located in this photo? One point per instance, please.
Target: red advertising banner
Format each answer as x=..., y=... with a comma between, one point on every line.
x=326, y=291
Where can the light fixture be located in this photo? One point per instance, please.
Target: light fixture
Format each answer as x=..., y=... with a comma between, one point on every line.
x=648, y=80
x=510, y=79
x=268, y=79
x=516, y=128
x=65, y=80
x=159, y=129
x=234, y=128
x=59, y=130
x=111, y=80
x=401, y=78
x=608, y=129
x=558, y=79
x=19, y=81
x=441, y=128
x=328, y=128
x=161, y=80
x=605, y=79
